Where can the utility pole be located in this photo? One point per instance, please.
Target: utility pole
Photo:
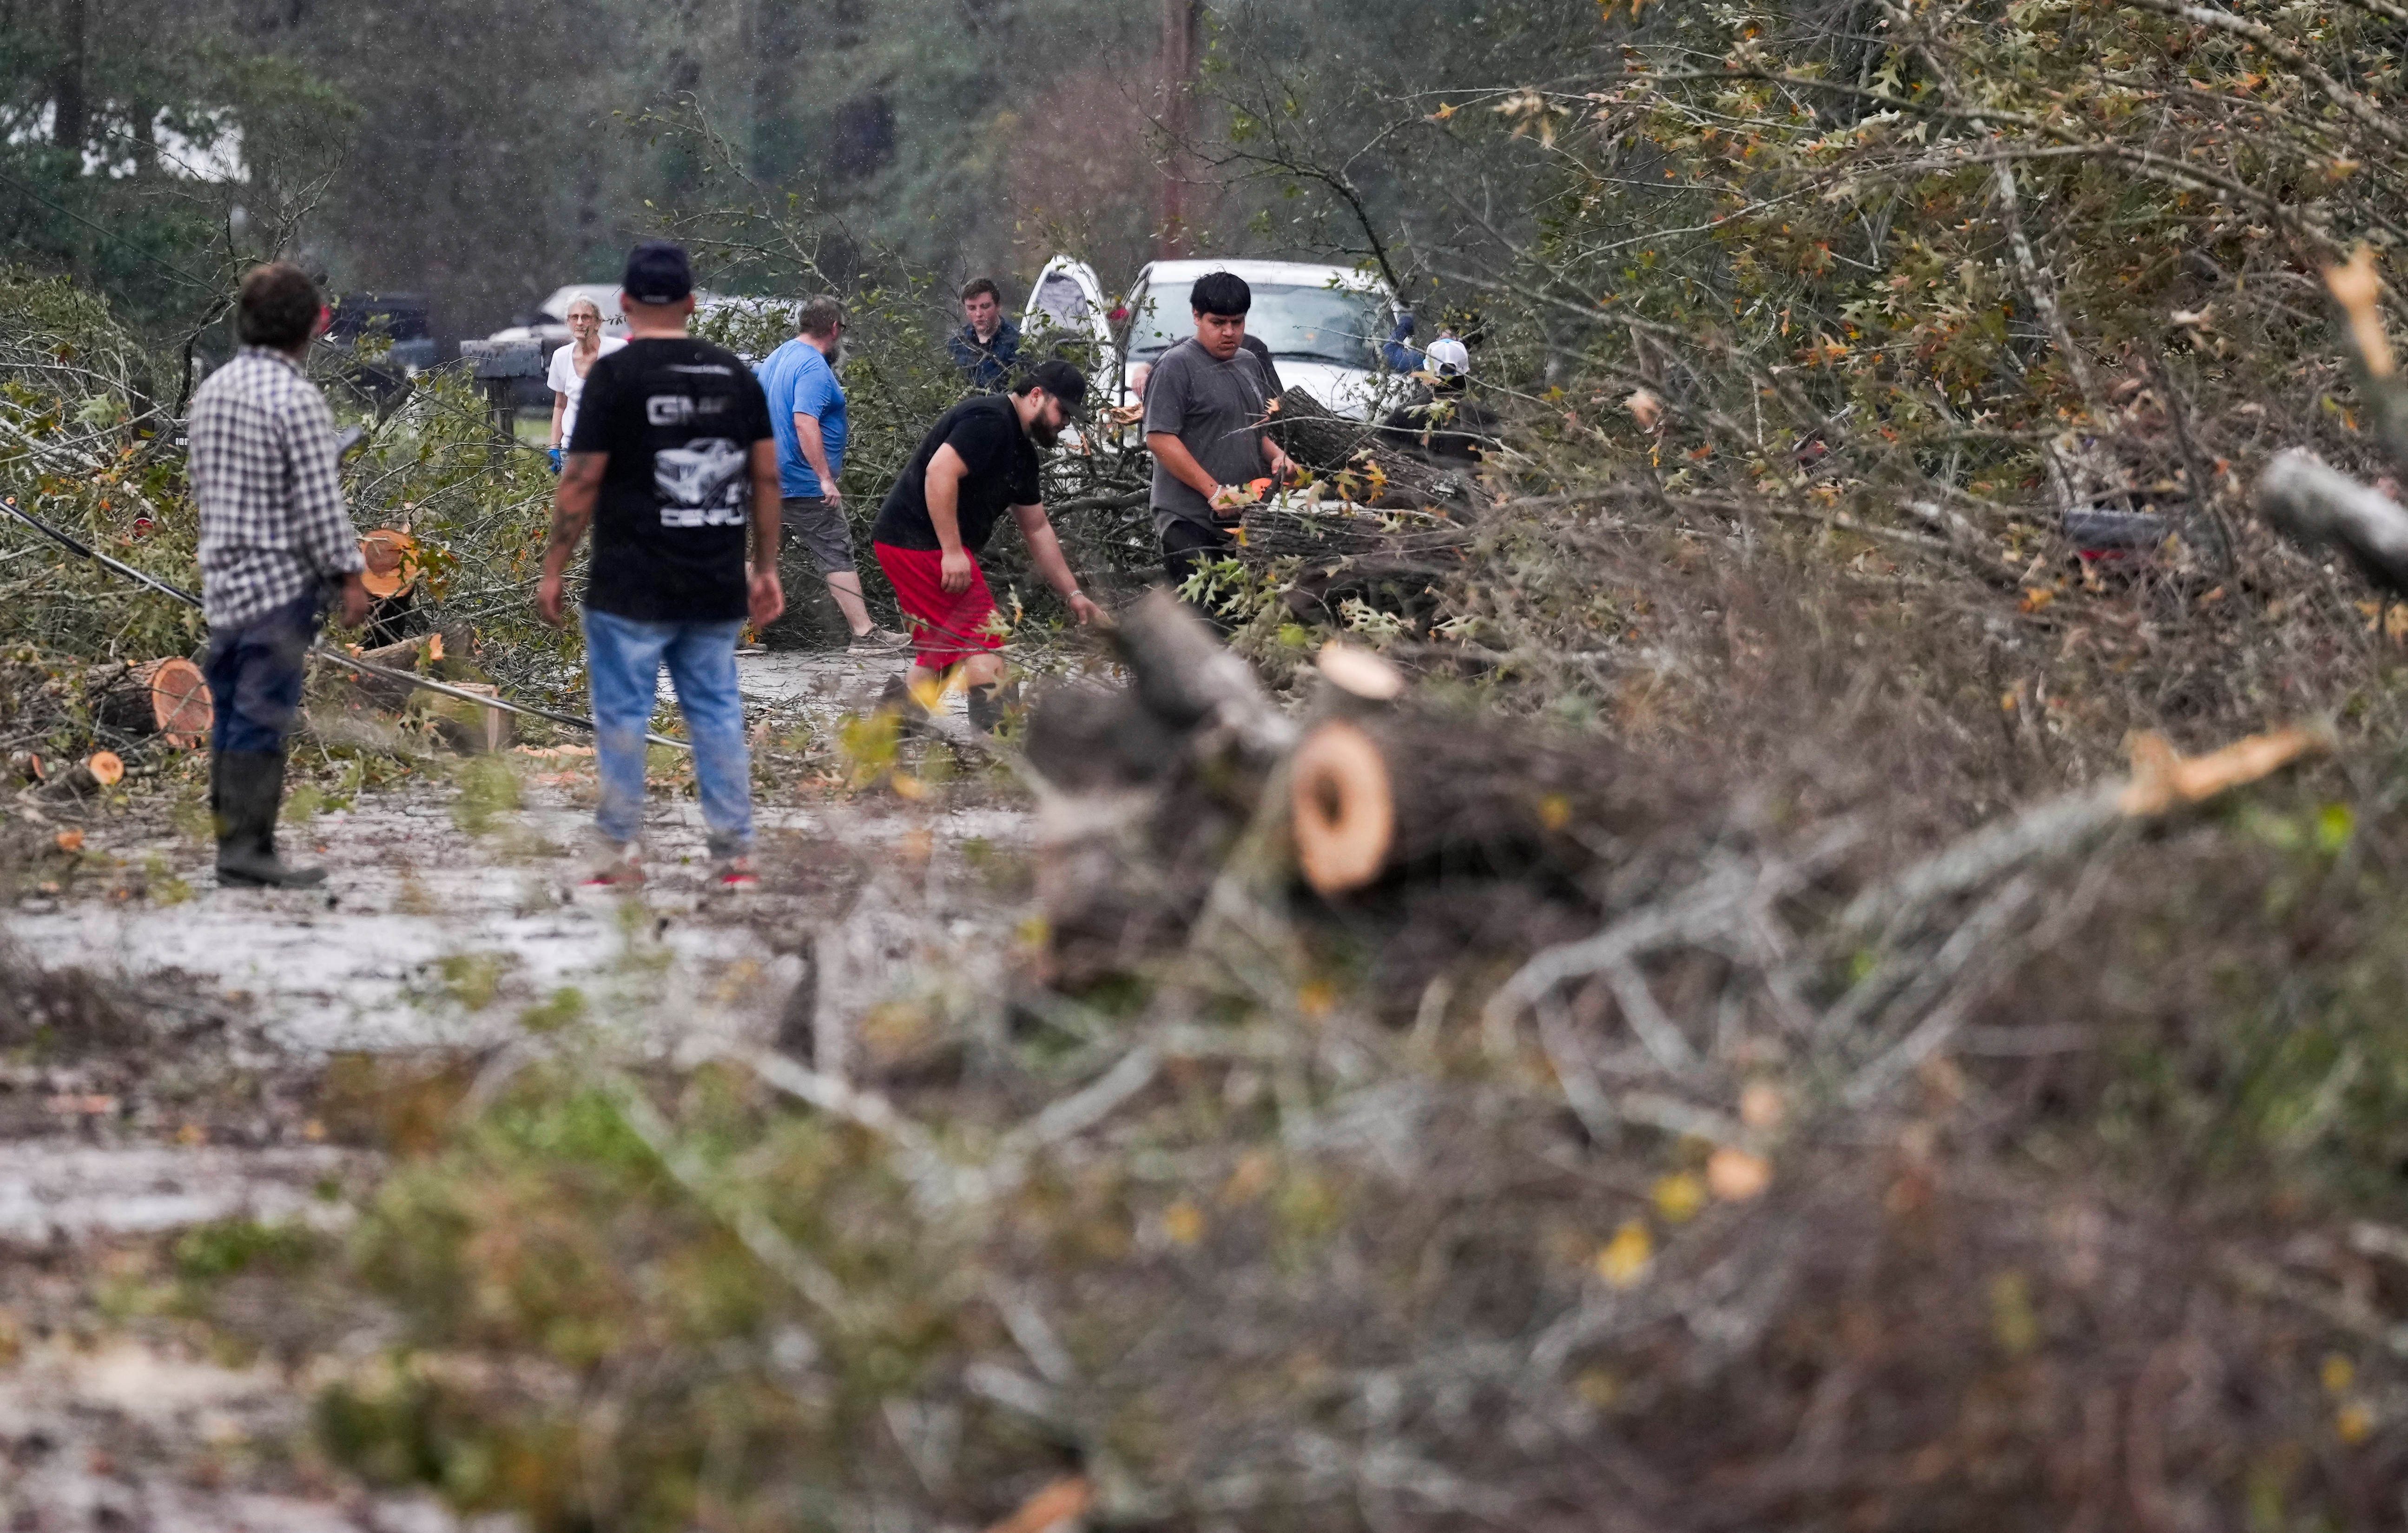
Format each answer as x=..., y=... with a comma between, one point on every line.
x=71, y=108
x=1181, y=56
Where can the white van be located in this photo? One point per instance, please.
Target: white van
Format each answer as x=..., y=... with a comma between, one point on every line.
x=1324, y=324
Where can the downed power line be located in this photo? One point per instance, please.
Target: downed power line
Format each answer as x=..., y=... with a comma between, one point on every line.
x=320, y=649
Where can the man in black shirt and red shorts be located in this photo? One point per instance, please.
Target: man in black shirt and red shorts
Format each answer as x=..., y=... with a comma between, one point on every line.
x=978, y=459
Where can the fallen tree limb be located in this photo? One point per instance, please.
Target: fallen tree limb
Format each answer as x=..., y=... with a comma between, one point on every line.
x=2321, y=505
x=2161, y=781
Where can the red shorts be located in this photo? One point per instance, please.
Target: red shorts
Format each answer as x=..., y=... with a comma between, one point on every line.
x=947, y=628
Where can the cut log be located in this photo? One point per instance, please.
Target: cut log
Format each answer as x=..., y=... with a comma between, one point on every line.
x=392, y=558
x=1417, y=797
x=1462, y=834
x=164, y=696
x=100, y=770
x=466, y=726
x=181, y=703
x=1343, y=807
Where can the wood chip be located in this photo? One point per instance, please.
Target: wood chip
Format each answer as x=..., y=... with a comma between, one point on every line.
x=2163, y=779
x=1055, y=1508
x=1360, y=672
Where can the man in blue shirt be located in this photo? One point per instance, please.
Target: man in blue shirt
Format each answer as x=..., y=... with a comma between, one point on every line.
x=987, y=346
x=807, y=414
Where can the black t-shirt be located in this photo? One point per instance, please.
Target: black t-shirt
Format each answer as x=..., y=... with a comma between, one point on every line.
x=679, y=417
x=1002, y=461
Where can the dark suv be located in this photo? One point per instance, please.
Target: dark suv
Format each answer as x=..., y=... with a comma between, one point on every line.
x=399, y=318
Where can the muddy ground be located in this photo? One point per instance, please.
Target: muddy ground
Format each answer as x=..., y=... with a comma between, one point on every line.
x=180, y=1055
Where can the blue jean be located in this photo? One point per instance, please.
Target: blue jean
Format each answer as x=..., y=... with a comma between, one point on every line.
x=254, y=676
x=624, y=658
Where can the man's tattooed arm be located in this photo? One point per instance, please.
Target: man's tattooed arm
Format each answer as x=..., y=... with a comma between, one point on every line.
x=572, y=507
x=572, y=512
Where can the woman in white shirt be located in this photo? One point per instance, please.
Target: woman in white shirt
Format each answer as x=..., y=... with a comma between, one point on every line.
x=586, y=346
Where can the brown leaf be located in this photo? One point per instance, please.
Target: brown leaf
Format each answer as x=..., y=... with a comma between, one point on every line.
x=1057, y=1506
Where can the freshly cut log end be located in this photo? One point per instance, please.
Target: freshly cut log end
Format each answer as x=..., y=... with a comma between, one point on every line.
x=1360, y=673
x=1344, y=805
x=100, y=770
x=179, y=699
x=392, y=558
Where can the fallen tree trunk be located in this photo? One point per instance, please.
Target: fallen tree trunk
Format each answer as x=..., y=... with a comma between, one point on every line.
x=422, y=655
x=1153, y=784
x=164, y=696
x=2321, y=505
x=1406, y=794
x=95, y=773
x=1161, y=788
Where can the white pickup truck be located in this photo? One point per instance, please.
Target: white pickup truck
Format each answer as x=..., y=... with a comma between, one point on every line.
x=1324, y=325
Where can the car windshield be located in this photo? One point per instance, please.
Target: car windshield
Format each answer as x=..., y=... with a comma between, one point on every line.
x=1341, y=325
x=1059, y=300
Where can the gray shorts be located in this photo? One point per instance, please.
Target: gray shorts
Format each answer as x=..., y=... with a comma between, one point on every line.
x=820, y=529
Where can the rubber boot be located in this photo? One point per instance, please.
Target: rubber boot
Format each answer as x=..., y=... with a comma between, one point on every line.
x=247, y=787
x=990, y=703
x=910, y=716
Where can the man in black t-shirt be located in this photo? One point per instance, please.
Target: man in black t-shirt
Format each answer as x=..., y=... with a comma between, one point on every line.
x=673, y=439
x=979, y=459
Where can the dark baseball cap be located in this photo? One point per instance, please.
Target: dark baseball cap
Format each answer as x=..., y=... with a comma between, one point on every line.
x=1063, y=381
x=657, y=273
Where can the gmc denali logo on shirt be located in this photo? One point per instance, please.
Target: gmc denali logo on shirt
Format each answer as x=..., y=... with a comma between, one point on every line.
x=676, y=409
x=700, y=484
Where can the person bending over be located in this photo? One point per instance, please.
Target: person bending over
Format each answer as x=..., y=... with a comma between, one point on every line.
x=979, y=458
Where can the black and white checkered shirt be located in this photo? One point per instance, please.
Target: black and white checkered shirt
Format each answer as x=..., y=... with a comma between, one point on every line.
x=263, y=466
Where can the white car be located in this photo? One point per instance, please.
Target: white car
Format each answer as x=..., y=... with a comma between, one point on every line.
x=1324, y=324
x=553, y=328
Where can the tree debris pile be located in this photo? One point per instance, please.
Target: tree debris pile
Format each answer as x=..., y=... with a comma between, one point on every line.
x=1801, y=1189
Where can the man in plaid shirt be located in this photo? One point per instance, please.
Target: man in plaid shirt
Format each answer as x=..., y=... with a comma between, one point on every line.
x=276, y=540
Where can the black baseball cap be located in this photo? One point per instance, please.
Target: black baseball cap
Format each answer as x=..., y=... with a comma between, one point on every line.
x=657, y=273
x=1063, y=381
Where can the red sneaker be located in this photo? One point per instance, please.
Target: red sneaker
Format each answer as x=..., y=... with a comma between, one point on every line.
x=614, y=866
x=734, y=873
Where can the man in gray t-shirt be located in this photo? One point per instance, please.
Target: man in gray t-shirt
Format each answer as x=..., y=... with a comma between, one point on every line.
x=1204, y=412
